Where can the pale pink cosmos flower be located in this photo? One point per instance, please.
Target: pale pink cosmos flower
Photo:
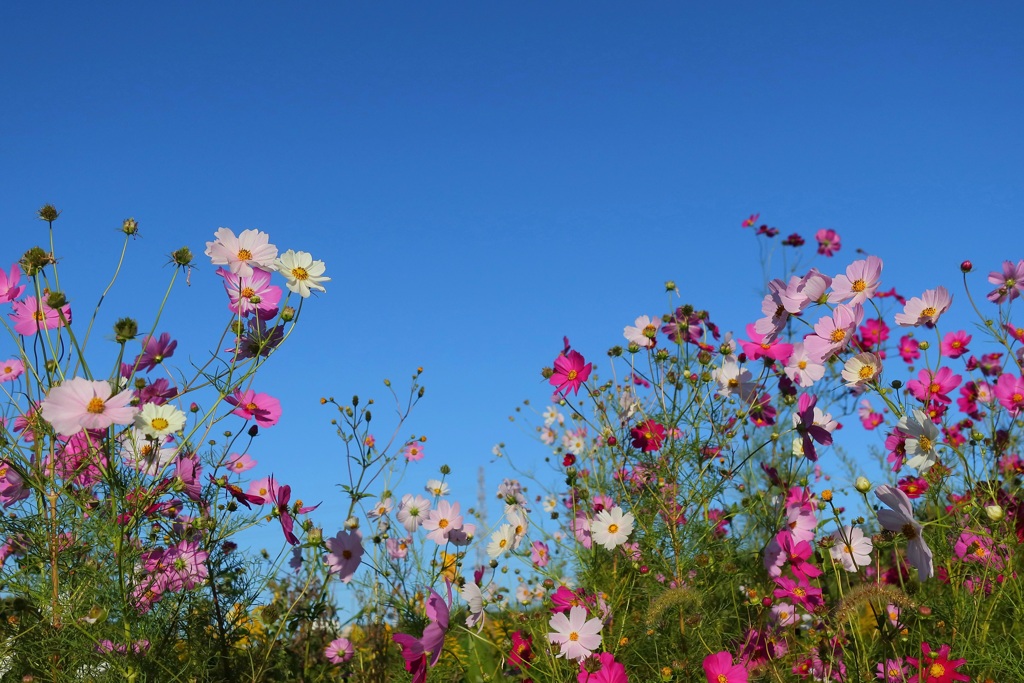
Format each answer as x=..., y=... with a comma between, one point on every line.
x=238, y=463
x=735, y=380
x=801, y=292
x=852, y=548
x=261, y=488
x=801, y=368
x=1009, y=283
x=833, y=333
x=339, y=651
x=11, y=370
x=540, y=555
x=412, y=511
x=644, y=332
x=900, y=518
x=926, y=309
x=250, y=249
x=12, y=486
x=828, y=241
x=577, y=636
x=30, y=316
x=263, y=408
x=775, y=313
x=398, y=548
x=345, y=551
x=859, y=283
x=83, y=404
x=442, y=520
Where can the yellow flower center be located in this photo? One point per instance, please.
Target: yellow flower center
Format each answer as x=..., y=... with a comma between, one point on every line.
x=300, y=274
x=96, y=405
x=799, y=592
x=251, y=407
x=936, y=671
x=802, y=365
x=572, y=374
x=247, y=293
x=38, y=315
x=502, y=543
x=159, y=423
x=443, y=523
x=928, y=312
x=722, y=678
x=244, y=255
x=613, y=528
x=859, y=286
x=867, y=372
x=838, y=336
x=573, y=636
x=924, y=443
x=934, y=388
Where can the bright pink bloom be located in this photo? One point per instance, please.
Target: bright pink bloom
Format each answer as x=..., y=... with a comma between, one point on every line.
x=868, y=417
x=954, y=344
x=251, y=294
x=926, y=309
x=610, y=671
x=12, y=486
x=83, y=404
x=11, y=370
x=718, y=668
x=154, y=351
x=570, y=372
x=914, y=487
x=936, y=667
x=250, y=249
x=873, y=332
x=859, y=283
x=765, y=347
x=800, y=591
x=828, y=242
x=9, y=289
x=280, y=496
x=539, y=554
x=648, y=436
x=415, y=650
x=263, y=408
x=522, y=650
x=749, y=222
x=345, y=551
x=29, y=316
x=1010, y=392
x=935, y=386
x=339, y=651
x=908, y=349
x=1009, y=283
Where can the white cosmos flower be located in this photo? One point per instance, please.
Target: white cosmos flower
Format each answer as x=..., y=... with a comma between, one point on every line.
x=901, y=520
x=436, y=487
x=861, y=369
x=852, y=548
x=157, y=421
x=502, y=541
x=923, y=437
x=475, y=600
x=611, y=528
x=301, y=272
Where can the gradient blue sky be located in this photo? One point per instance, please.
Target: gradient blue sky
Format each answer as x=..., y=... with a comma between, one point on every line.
x=483, y=178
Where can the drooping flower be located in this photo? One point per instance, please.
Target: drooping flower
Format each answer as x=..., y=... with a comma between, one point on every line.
x=339, y=651
x=250, y=249
x=280, y=496
x=345, y=551
x=570, y=372
x=609, y=670
x=415, y=650
x=611, y=528
x=812, y=425
x=301, y=272
x=79, y=404
x=900, y=518
x=577, y=636
x=926, y=309
x=263, y=408
x=475, y=601
x=718, y=668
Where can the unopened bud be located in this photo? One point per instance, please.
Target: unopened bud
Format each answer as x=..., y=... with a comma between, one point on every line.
x=670, y=286
x=182, y=257
x=445, y=470
x=862, y=484
x=49, y=213
x=130, y=226
x=287, y=314
x=966, y=267
x=125, y=330
x=994, y=512
x=254, y=430
x=56, y=299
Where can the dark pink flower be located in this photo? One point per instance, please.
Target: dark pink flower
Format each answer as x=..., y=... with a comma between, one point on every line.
x=30, y=316
x=828, y=242
x=936, y=667
x=1010, y=392
x=1009, y=283
x=803, y=420
x=954, y=344
x=263, y=408
x=250, y=294
x=934, y=386
x=648, y=436
x=415, y=650
x=908, y=349
x=9, y=289
x=154, y=351
x=606, y=670
x=570, y=372
x=718, y=668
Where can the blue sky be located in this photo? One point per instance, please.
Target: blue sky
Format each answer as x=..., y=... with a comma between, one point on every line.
x=483, y=179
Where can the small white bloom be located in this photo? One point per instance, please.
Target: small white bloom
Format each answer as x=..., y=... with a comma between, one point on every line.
x=861, y=369
x=923, y=437
x=475, y=600
x=301, y=272
x=611, y=528
x=502, y=541
x=157, y=421
x=436, y=487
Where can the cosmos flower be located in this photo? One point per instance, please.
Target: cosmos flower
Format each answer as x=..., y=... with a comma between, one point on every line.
x=900, y=518
x=250, y=249
x=570, y=372
x=577, y=636
x=611, y=528
x=79, y=404
x=301, y=272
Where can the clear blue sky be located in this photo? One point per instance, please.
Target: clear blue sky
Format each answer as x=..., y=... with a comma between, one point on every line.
x=482, y=179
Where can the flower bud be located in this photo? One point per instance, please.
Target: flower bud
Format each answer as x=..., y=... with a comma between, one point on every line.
x=56, y=299
x=670, y=286
x=49, y=213
x=125, y=330
x=254, y=430
x=130, y=226
x=193, y=407
x=924, y=345
x=287, y=314
x=615, y=351
x=633, y=347
x=182, y=257
x=966, y=267
x=862, y=484
x=352, y=523
x=445, y=470
x=34, y=260
x=994, y=512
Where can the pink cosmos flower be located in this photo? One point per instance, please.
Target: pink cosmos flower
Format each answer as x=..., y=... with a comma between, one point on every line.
x=154, y=351
x=413, y=452
x=648, y=436
x=30, y=316
x=415, y=650
x=441, y=521
x=251, y=294
x=892, y=671
x=908, y=349
x=610, y=671
x=805, y=425
x=261, y=489
x=900, y=518
x=801, y=292
x=11, y=370
x=936, y=667
x=774, y=311
x=12, y=486
x=238, y=463
x=868, y=417
x=852, y=548
x=802, y=369
x=263, y=408
x=828, y=242
x=859, y=283
x=83, y=404
x=644, y=333
x=1009, y=283
x=1010, y=392
x=540, y=555
x=800, y=591
x=250, y=249
x=398, y=548
x=718, y=667
x=577, y=636
x=9, y=289
x=954, y=344
x=570, y=372
x=872, y=333
x=926, y=309
x=761, y=347
x=934, y=386
x=345, y=551
x=280, y=496
x=749, y=222
x=833, y=333
x=339, y=651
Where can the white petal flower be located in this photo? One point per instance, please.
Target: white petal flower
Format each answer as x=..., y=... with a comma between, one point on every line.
x=611, y=528
x=901, y=519
x=301, y=272
x=157, y=421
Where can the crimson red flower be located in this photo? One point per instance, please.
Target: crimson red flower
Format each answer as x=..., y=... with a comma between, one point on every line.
x=570, y=372
x=936, y=667
x=569, y=460
x=648, y=436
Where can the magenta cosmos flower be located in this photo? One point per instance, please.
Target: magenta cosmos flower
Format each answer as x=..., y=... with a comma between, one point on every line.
x=263, y=408
x=570, y=372
x=828, y=242
x=155, y=350
x=1009, y=283
x=339, y=651
x=415, y=650
x=610, y=671
x=345, y=553
x=251, y=293
x=9, y=289
x=30, y=316
x=83, y=404
x=250, y=249
x=718, y=668
x=936, y=667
